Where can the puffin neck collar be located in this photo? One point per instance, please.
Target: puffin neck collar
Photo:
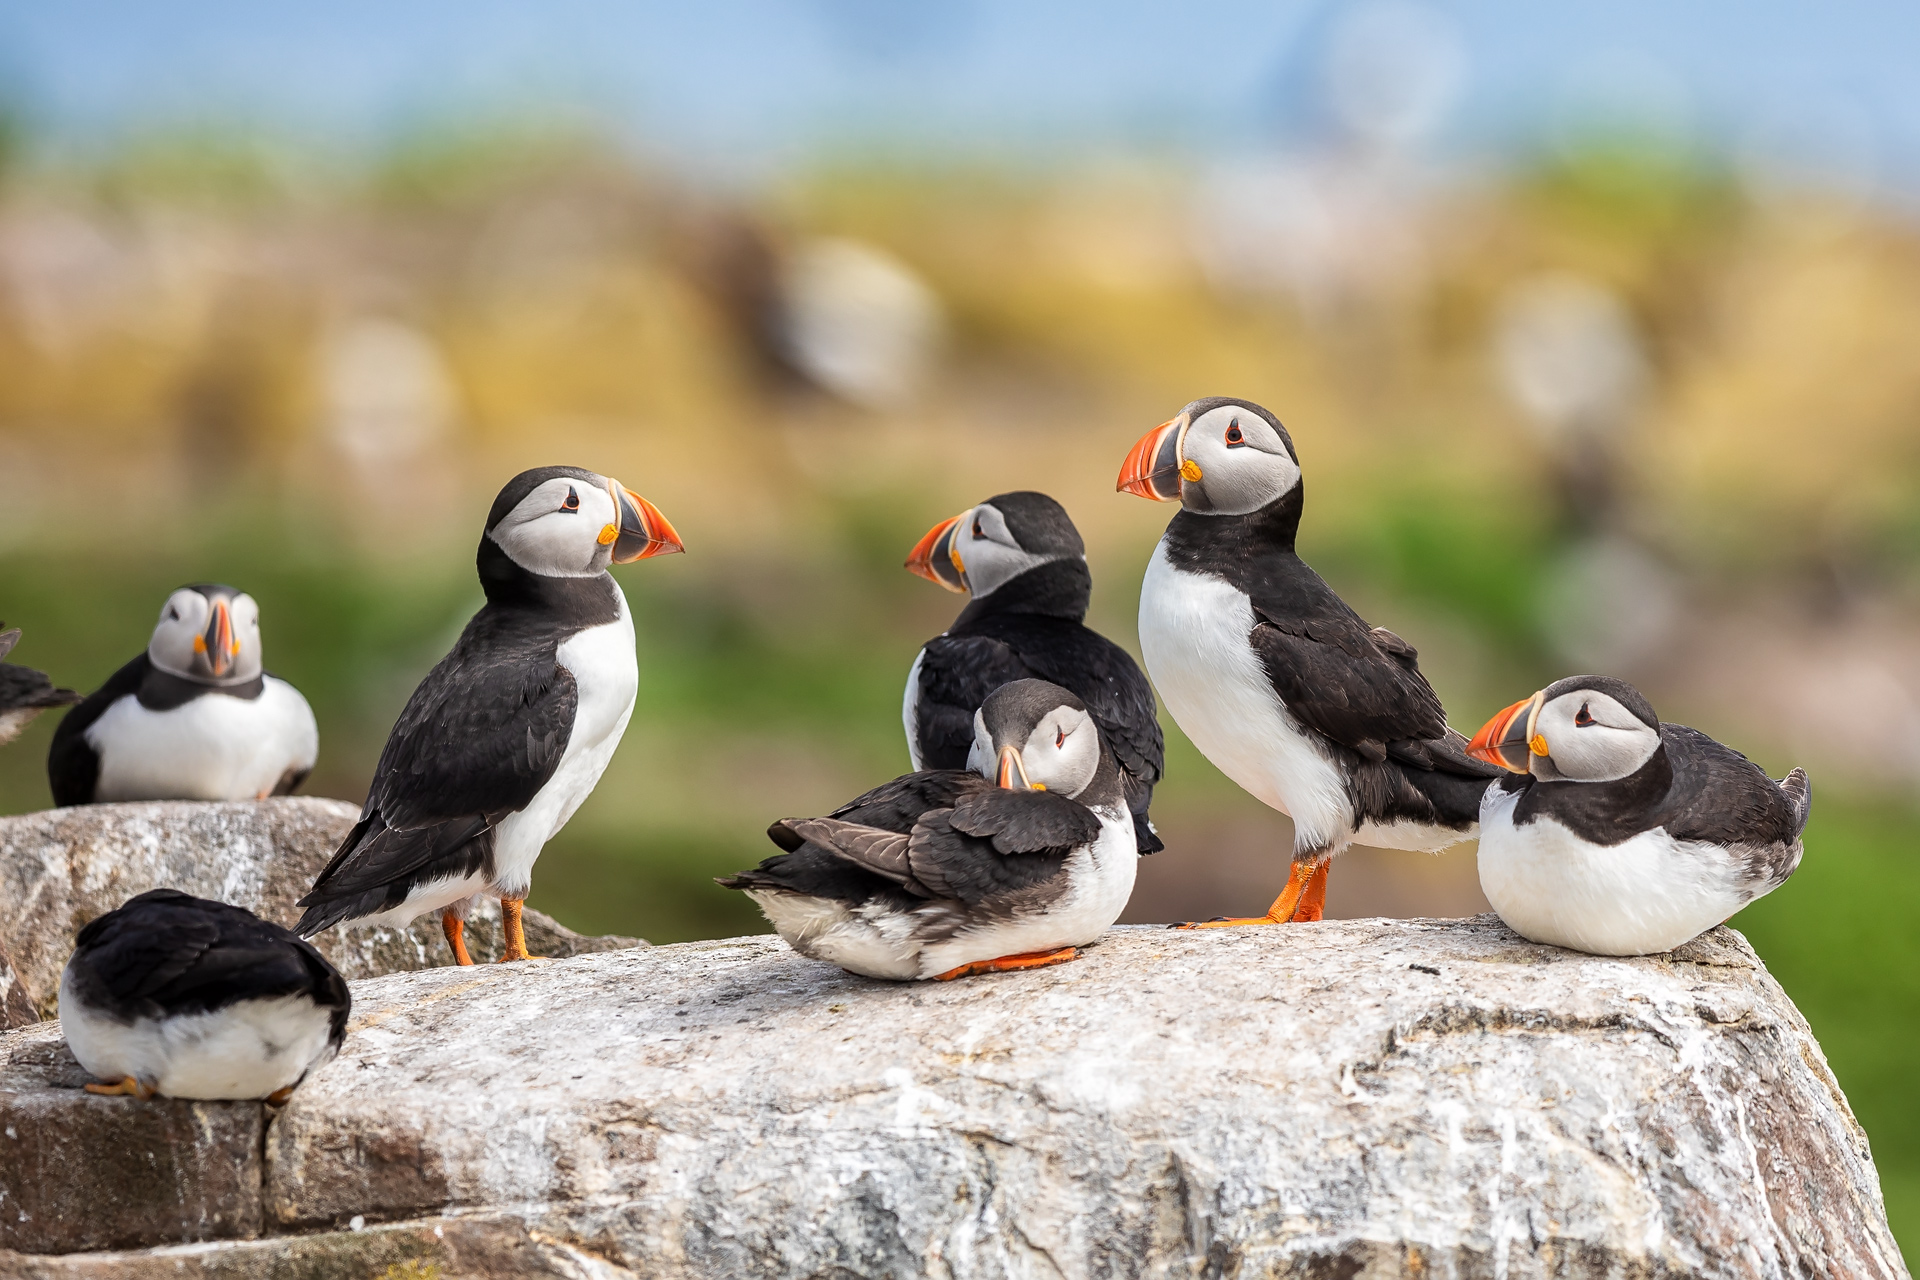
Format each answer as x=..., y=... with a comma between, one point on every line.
x=1058, y=589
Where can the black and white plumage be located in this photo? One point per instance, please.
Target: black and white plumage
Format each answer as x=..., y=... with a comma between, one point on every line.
x=24, y=692
x=1023, y=562
x=189, y=998
x=507, y=736
x=942, y=872
x=1277, y=681
x=195, y=717
x=1619, y=835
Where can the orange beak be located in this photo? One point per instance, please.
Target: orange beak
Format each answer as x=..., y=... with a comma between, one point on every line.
x=1013, y=771
x=1152, y=470
x=641, y=530
x=936, y=557
x=217, y=641
x=1506, y=739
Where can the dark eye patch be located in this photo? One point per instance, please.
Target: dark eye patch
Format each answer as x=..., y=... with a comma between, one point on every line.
x=1583, y=717
x=573, y=500
x=1234, y=435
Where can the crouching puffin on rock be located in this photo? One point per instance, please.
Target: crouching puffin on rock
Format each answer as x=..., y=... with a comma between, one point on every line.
x=195, y=717
x=1281, y=685
x=1022, y=561
x=1618, y=835
x=507, y=736
x=24, y=692
x=945, y=873
x=179, y=996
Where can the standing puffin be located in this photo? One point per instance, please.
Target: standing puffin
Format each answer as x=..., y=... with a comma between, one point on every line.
x=195, y=717
x=940, y=874
x=24, y=692
x=174, y=995
x=511, y=731
x=1022, y=561
x=1281, y=685
x=1621, y=836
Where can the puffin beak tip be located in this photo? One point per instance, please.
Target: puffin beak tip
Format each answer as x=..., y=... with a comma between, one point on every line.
x=1504, y=740
x=1013, y=771
x=1152, y=468
x=934, y=557
x=642, y=531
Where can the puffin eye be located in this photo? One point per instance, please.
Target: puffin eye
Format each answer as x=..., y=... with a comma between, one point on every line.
x=978, y=532
x=573, y=500
x=1233, y=434
x=1583, y=717
x=1060, y=740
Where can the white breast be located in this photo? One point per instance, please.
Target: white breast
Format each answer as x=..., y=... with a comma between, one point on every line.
x=214, y=747
x=607, y=676
x=1194, y=634
x=909, y=711
x=1647, y=894
x=246, y=1050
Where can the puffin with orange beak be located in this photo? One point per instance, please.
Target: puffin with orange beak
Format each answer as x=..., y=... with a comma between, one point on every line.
x=1618, y=835
x=1019, y=558
x=510, y=733
x=1013, y=863
x=1281, y=685
x=195, y=717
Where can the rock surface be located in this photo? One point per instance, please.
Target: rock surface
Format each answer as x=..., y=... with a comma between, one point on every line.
x=1339, y=1099
x=62, y=867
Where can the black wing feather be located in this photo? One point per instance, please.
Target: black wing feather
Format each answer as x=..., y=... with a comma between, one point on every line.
x=477, y=741
x=1337, y=676
x=956, y=675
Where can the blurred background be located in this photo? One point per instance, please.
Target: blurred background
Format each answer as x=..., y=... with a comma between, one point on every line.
x=1598, y=333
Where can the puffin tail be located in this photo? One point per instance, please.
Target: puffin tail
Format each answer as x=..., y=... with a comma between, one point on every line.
x=1799, y=793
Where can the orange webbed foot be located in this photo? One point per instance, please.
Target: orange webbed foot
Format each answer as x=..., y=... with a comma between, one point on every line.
x=1026, y=960
x=128, y=1086
x=1302, y=901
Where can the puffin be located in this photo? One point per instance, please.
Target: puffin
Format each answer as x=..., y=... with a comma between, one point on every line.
x=1021, y=560
x=507, y=736
x=195, y=717
x=187, y=998
x=1013, y=863
x=24, y=692
x=1275, y=679
x=1618, y=835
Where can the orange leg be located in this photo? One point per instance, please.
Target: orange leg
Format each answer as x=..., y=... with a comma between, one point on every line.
x=1030, y=960
x=515, y=934
x=1304, y=898
x=124, y=1085
x=278, y=1098
x=456, y=930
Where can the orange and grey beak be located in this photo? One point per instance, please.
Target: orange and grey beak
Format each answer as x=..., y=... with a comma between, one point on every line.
x=1154, y=468
x=1013, y=771
x=936, y=557
x=1508, y=739
x=641, y=530
x=217, y=642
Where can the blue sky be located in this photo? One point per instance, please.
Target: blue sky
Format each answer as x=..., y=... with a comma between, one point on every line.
x=752, y=82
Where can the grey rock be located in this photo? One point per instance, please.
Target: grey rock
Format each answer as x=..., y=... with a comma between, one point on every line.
x=61, y=868
x=1351, y=1098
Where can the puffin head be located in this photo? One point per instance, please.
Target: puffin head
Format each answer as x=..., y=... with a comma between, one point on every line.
x=986, y=546
x=208, y=633
x=1217, y=456
x=1580, y=729
x=1033, y=736
x=568, y=522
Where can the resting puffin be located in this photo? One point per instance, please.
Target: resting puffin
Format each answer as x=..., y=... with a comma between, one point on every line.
x=1276, y=680
x=195, y=717
x=24, y=692
x=1022, y=561
x=1621, y=836
x=175, y=995
x=509, y=734
x=943, y=873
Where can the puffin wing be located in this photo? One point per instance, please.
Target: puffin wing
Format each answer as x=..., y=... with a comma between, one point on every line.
x=1360, y=686
x=956, y=675
x=165, y=953
x=1721, y=797
x=25, y=687
x=73, y=767
x=898, y=805
x=480, y=737
x=996, y=842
